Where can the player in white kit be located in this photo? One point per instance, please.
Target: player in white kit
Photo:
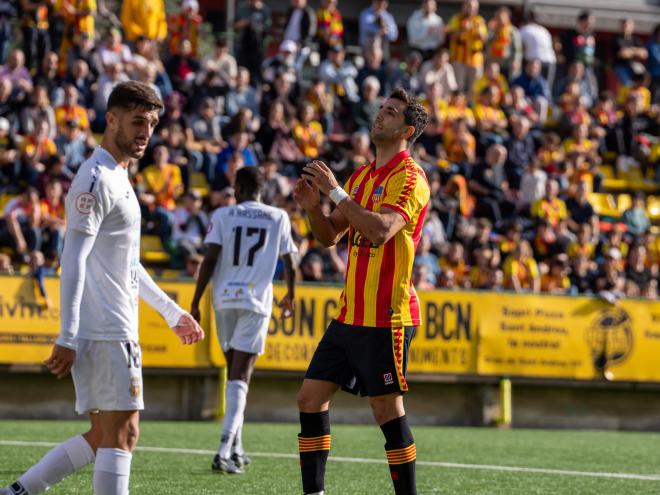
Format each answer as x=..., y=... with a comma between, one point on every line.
x=101, y=281
x=244, y=242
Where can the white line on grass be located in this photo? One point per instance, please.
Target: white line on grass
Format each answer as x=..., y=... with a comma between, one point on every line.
x=450, y=465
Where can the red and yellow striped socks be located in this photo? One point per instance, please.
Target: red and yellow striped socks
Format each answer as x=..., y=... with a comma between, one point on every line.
x=314, y=447
x=401, y=454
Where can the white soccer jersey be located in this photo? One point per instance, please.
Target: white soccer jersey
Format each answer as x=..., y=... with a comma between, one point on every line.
x=252, y=235
x=101, y=203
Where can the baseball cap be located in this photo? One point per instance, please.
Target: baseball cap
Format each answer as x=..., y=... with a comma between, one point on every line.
x=614, y=253
x=4, y=124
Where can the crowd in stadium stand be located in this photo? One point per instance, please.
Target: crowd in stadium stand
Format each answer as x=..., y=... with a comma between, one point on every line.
x=524, y=133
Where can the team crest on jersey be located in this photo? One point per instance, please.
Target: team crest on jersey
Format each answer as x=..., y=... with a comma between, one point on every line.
x=355, y=190
x=85, y=203
x=377, y=195
x=136, y=387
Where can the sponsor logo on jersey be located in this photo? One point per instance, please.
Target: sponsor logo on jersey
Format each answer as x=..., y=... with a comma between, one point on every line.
x=85, y=203
x=377, y=196
x=388, y=379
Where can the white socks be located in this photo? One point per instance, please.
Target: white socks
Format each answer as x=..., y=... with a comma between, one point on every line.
x=237, y=447
x=111, y=472
x=236, y=398
x=67, y=457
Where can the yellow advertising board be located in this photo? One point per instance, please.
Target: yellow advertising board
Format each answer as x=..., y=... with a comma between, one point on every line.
x=539, y=336
x=630, y=336
x=28, y=330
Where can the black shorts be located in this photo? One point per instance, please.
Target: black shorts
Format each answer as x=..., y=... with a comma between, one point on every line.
x=368, y=360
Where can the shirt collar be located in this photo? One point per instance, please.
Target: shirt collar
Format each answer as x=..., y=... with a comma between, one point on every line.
x=396, y=159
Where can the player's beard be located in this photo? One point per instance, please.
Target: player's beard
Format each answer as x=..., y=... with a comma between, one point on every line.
x=126, y=145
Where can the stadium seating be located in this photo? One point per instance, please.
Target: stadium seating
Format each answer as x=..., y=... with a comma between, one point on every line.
x=151, y=250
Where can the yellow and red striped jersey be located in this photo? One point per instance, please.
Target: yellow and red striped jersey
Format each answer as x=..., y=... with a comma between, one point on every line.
x=378, y=291
x=466, y=42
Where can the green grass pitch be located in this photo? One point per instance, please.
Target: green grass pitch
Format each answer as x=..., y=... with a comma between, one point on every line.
x=451, y=460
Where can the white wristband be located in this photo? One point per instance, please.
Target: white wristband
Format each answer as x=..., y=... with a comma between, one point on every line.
x=337, y=195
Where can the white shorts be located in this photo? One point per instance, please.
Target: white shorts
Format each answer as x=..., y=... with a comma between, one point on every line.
x=242, y=330
x=108, y=376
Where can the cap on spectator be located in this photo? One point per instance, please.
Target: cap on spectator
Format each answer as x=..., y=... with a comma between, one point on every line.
x=227, y=191
x=614, y=253
x=288, y=46
x=193, y=194
x=4, y=124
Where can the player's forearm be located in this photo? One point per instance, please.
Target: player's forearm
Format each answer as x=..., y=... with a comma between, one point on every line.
x=372, y=225
x=77, y=247
x=155, y=297
x=322, y=227
x=290, y=274
x=205, y=273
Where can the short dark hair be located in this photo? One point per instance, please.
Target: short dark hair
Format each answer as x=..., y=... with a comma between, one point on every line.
x=249, y=180
x=414, y=115
x=130, y=95
x=584, y=15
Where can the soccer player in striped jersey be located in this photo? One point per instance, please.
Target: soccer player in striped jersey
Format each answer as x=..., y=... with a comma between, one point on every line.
x=364, y=349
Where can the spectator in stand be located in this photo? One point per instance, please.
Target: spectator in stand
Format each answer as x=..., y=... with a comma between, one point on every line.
x=583, y=245
x=425, y=29
x=37, y=150
x=189, y=226
x=460, y=145
x=521, y=273
x=580, y=44
x=532, y=186
x=242, y=95
x=72, y=144
x=329, y=27
x=550, y=208
x=161, y=185
x=339, y=74
x=38, y=108
x=238, y=143
x=467, y=35
x=631, y=55
x=18, y=74
x=424, y=257
x=538, y=45
x=276, y=187
x=252, y=23
x=374, y=66
x=556, y=280
x=70, y=111
x=536, y=87
x=57, y=171
x=653, y=63
x=77, y=17
x=610, y=280
x=491, y=121
x=358, y=155
x=520, y=150
x=365, y=110
x=489, y=185
x=7, y=15
x=48, y=77
x=184, y=25
x=576, y=75
x=106, y=83
x=408, y=75
x=113, y=51
x=204, y=137
x=636, y=269
x=9, y=107
x=453, y=265
x=308, y=133
x=457, y=108
x=8, y=154
x=439, y=69
x=504, y=46
x=520, y=105
x=581, y=211
x=377, y=27
x=53, y=220
x=300, y=25
x=493, y=77
x=144, y=18
x=81, y=79
x=223, y=63
x=635, y=218
x=20, y=224
x=581, y=276
x=284, y=62
x=420, y=278
x=638, y=88
x=34, y=26
x=183, y=68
